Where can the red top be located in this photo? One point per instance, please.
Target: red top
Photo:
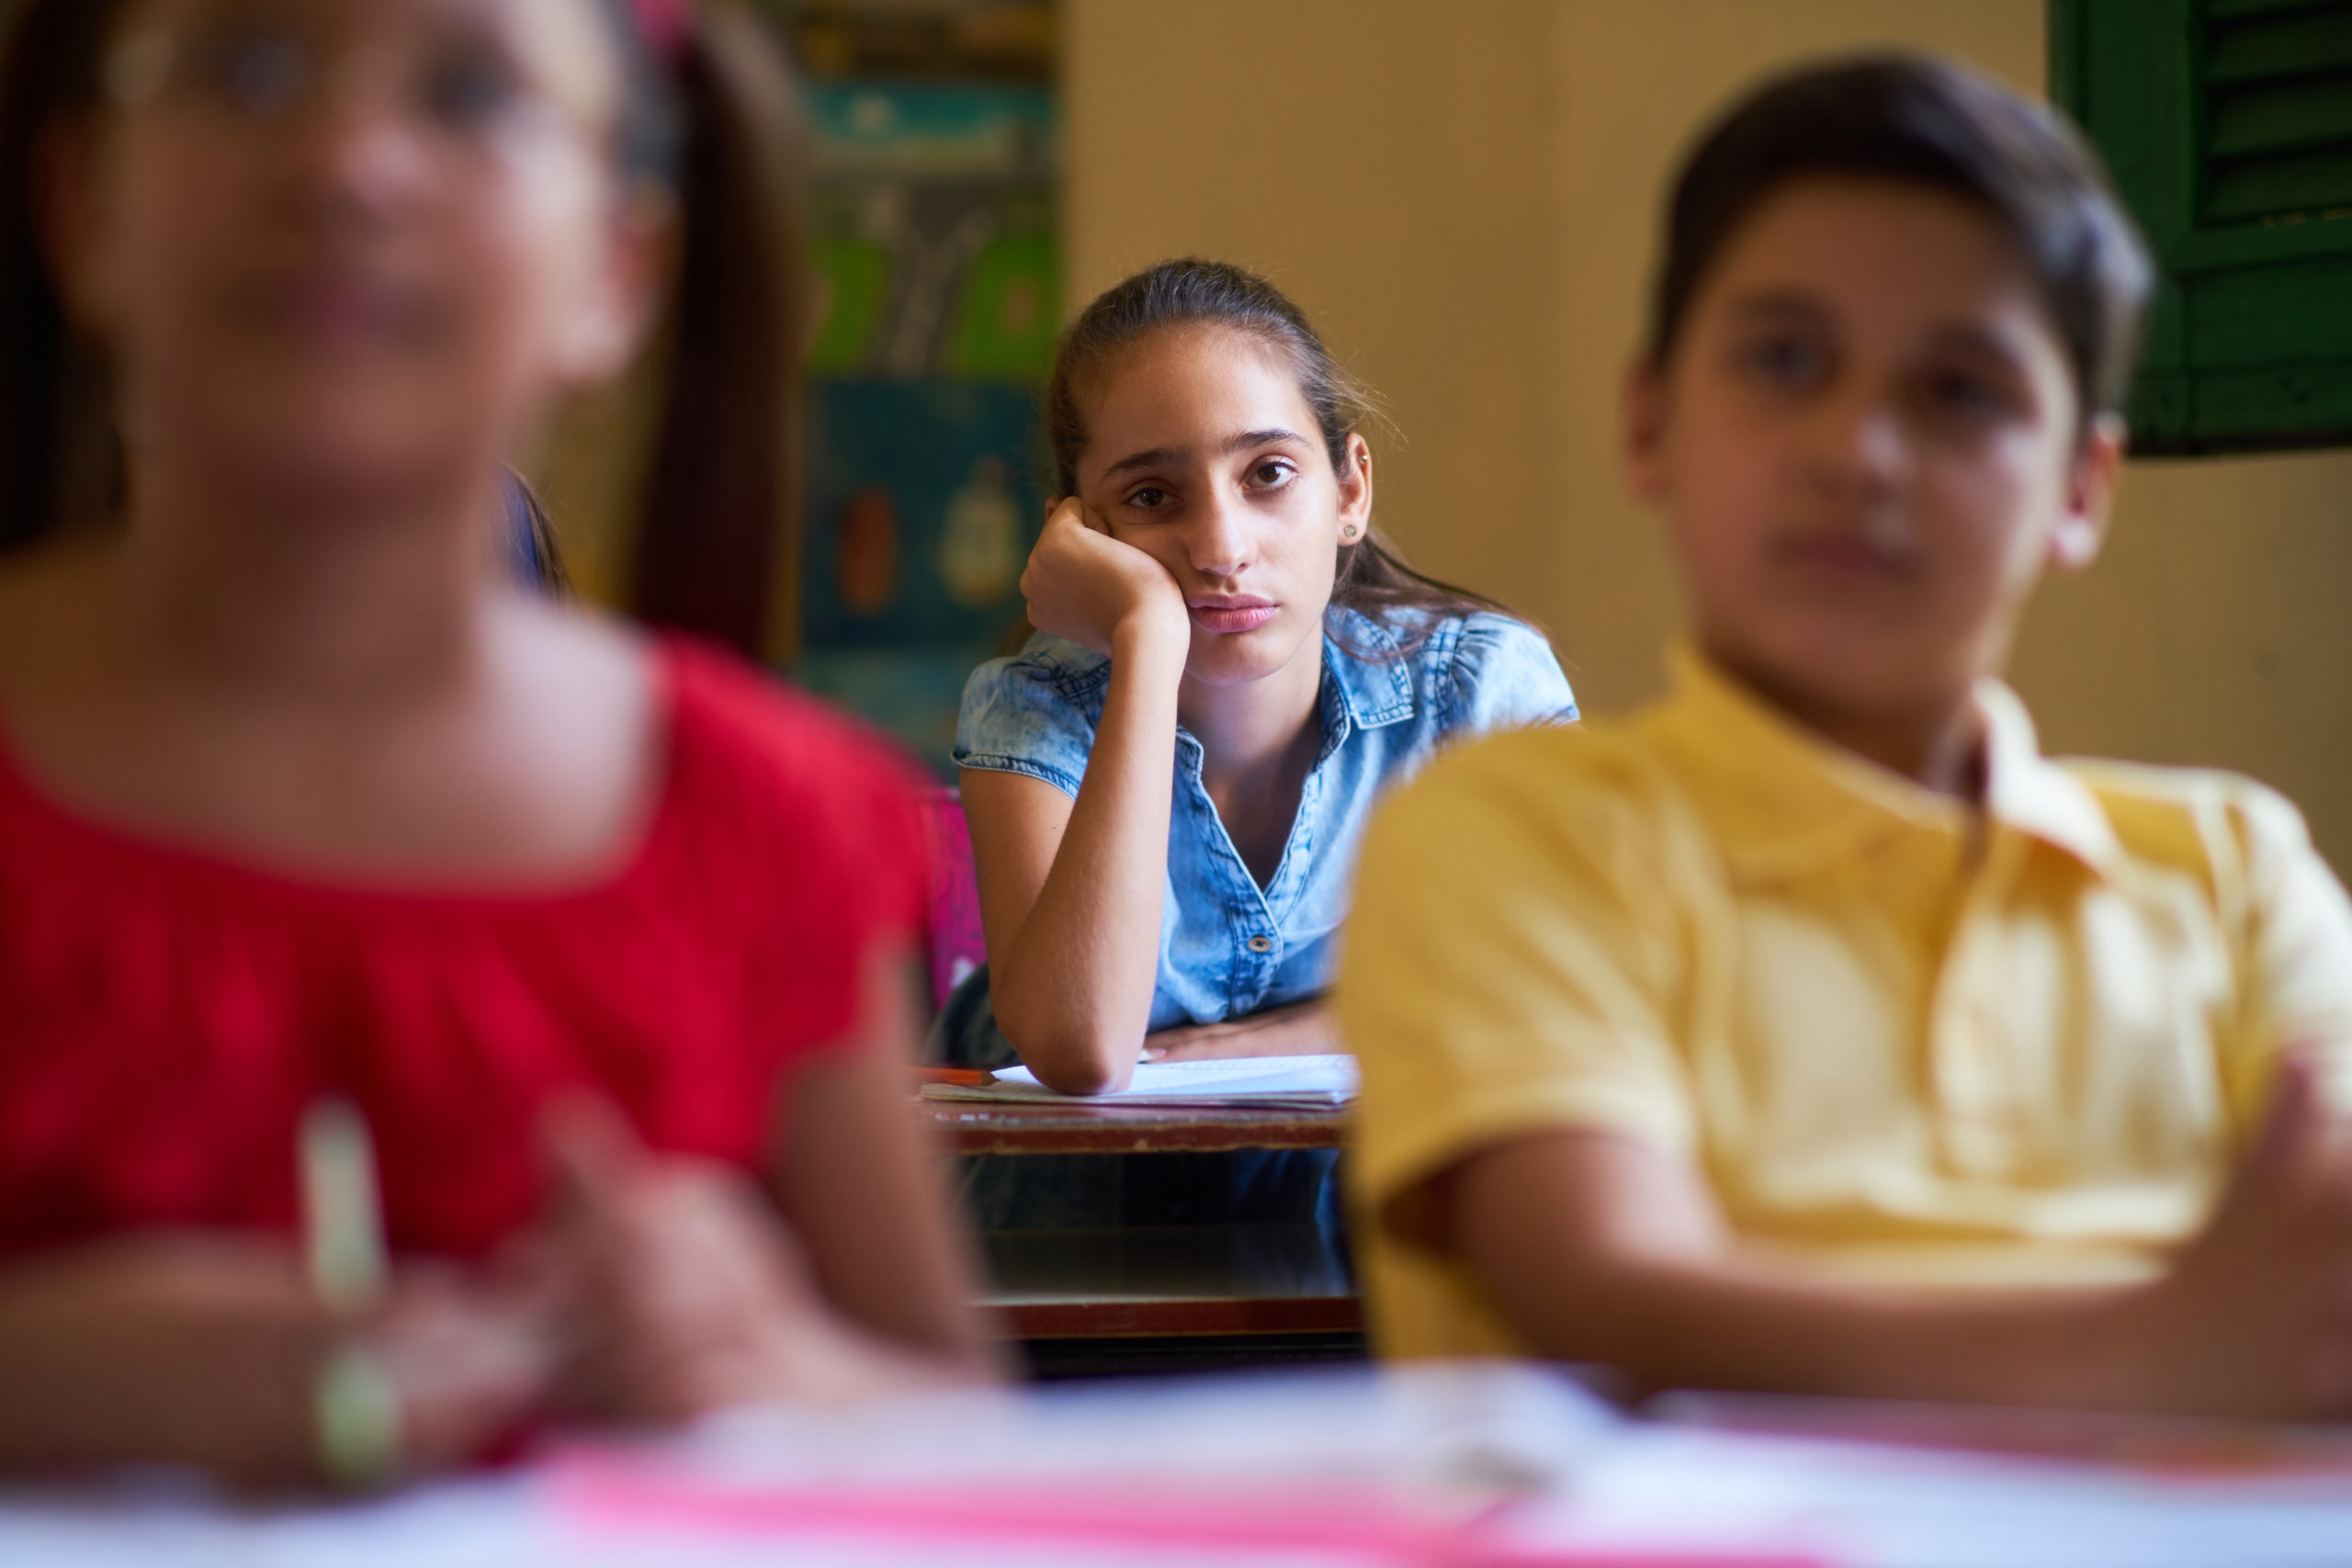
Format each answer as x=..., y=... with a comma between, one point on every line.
x=165, y=1014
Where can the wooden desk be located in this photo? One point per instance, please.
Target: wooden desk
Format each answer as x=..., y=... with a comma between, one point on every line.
x=1084, y=1127
x=1155, y=1300
x=1169, y=1280
x=1086, y=1301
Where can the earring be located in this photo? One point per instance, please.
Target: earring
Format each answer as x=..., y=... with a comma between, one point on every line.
x=1349, y=532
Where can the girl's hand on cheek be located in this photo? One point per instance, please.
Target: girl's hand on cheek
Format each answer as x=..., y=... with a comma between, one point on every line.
x=690, y=1295
x=1085, y=585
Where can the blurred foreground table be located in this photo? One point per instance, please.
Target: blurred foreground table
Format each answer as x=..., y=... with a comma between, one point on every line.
x=1474, y=1466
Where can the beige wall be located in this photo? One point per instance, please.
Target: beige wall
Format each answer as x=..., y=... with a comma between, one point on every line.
x=1384, y=162
x=1463, y=195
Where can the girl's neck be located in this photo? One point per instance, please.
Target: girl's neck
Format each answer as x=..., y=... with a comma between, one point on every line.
x=1253, y=729
x=345, y=595
x=1258, y=741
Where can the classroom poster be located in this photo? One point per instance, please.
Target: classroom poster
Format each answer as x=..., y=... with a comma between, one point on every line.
x=938, y=274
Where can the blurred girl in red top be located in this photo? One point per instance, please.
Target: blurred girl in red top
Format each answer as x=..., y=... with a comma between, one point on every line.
x=300, y=794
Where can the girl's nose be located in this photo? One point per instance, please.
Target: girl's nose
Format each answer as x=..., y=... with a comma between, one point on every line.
x=363, y=154
x=351, y=138
x=1218, y=540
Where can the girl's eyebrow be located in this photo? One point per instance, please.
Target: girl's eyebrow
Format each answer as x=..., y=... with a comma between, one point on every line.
x=1245, y=441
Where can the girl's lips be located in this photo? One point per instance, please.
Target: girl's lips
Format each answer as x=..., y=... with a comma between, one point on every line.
x=334, y=308
x=1228, y=616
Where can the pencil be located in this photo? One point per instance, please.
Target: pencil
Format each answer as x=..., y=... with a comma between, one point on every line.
x=341, y=1213
x=960, y=1077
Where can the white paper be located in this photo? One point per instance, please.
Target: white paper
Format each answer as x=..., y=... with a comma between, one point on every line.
x=1307, y=1082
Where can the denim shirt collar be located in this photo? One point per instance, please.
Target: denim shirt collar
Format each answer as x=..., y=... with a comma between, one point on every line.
x=1373, y=685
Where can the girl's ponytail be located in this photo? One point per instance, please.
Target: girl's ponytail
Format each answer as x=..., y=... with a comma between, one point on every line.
x=715, y=529
x=58, y=460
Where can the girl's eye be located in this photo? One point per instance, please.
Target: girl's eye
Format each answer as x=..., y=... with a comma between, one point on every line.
x=254, y=71
x=471, y=90
x=1272, y=474
x=1148, y=497
x=1787, y=361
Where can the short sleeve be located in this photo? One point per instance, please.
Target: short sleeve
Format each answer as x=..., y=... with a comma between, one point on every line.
x=1504, y=676
x=1510, y=965
x=894, y=832
x=2296, y=943
x=810, y=837
x=1018, y=716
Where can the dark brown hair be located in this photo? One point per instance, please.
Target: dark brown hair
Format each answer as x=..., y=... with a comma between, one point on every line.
x=718, y=126
x=1925, y=122
x=1371, y=577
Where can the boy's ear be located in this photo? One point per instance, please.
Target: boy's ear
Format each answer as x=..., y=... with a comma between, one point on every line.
x=2097, y=465
x=1642, y=430
x=1355, y=489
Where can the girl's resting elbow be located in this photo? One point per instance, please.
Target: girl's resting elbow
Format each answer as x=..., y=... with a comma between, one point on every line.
x=1080, y=1072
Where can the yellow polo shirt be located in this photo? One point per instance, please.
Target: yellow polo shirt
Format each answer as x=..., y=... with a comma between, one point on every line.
x=1900, y=1040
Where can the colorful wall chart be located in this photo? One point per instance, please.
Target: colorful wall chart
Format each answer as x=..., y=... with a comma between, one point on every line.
x=935, y=251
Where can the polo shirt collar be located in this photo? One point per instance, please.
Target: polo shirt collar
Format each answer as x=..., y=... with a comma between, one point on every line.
x=1782, y=801
x=1368, y=668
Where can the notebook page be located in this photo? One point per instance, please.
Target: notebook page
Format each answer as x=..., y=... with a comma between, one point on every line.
x=1326, y=1081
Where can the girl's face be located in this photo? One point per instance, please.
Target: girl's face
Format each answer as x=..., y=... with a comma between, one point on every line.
x=351, y=239
x=1203, y=453
x=1867, y=445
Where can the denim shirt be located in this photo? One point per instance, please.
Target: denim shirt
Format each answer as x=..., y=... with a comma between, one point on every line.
x=1228, y=948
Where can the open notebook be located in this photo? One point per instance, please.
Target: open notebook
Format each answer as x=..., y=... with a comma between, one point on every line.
x=1309, y=1082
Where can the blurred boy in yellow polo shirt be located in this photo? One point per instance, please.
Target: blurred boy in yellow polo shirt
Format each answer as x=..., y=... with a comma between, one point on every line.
x=1810, y=1031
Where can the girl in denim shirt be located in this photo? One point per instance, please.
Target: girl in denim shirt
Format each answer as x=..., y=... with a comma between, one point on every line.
x=1167, y=785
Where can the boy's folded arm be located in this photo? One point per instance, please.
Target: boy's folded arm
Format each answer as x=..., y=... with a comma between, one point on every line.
x=2296, y=949
x=1598, y=1247
x=1595, y=1246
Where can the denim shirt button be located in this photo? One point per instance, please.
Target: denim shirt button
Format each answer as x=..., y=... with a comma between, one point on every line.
x=1262, y=944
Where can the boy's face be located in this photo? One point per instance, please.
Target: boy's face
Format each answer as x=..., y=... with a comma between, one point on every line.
x=1867, y=445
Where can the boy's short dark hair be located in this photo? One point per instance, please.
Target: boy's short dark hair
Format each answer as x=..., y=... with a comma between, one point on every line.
x=1908, y=118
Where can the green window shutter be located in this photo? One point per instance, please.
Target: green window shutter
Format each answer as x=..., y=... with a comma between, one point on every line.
x=2228, y=126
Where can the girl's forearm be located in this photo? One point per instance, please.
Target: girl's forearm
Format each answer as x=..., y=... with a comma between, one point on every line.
x=152, y=1352
x=1074, y=995
x=1300, y=1029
